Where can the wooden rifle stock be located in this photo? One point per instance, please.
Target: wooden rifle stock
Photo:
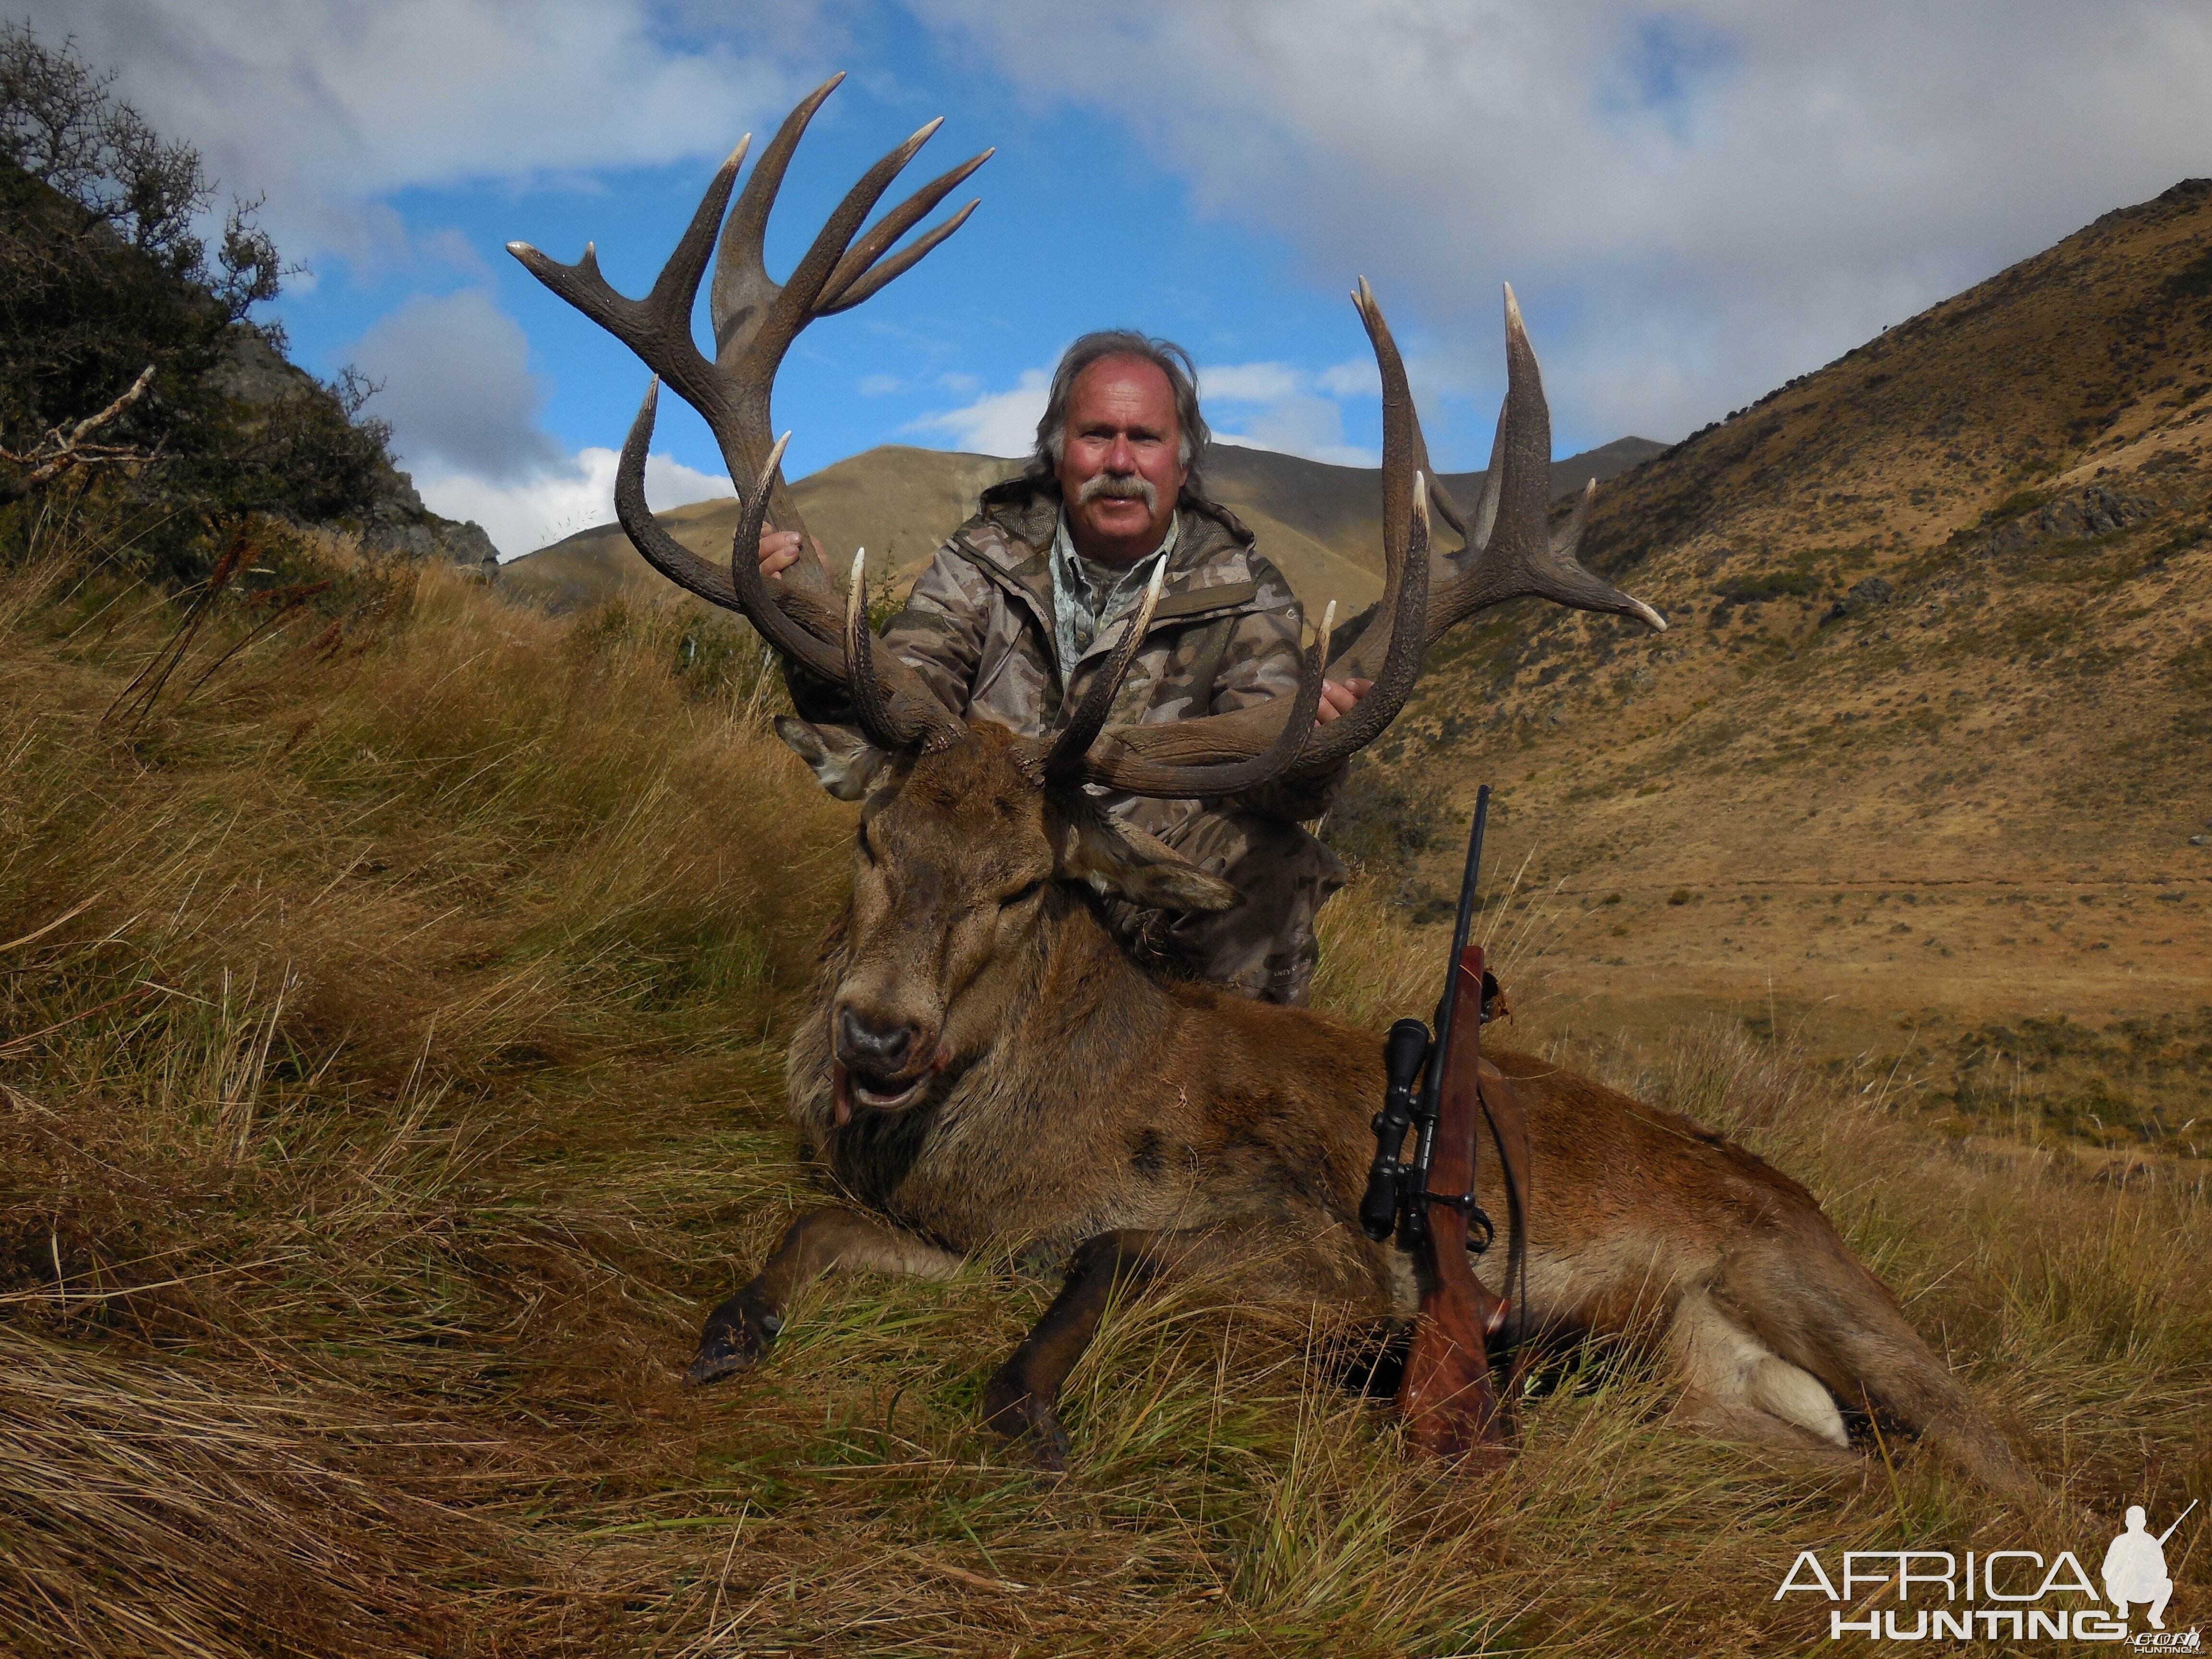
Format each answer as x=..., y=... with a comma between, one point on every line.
x=1449, y=1399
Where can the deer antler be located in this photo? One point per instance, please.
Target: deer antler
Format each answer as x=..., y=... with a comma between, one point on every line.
x=756, y=320
x=1509, y=549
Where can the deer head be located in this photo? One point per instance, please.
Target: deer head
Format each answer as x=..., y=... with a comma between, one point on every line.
x=972, y=842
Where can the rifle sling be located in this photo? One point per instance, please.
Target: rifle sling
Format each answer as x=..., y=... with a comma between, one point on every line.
x=1509, y=1131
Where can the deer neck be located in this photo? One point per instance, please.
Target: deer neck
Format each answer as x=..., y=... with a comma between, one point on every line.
x=1075, y=992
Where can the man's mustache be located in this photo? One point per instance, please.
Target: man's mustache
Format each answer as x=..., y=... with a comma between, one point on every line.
x=1120, y=487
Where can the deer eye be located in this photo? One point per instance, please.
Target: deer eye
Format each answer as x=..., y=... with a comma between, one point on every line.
x=1023, y=896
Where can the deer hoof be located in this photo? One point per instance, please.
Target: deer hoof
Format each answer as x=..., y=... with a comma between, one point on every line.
x=735, y=1337
x=1012, y=1412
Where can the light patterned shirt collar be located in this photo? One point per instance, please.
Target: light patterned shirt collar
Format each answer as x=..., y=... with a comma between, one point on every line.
x=1088, y=598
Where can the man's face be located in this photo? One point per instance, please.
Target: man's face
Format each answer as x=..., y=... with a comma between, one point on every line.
x=1119, y=467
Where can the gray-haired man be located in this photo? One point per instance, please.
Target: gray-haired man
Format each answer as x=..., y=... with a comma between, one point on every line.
x=1020, y=607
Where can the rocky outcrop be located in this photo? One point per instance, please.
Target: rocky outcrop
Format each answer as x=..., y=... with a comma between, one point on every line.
x=395, y=524
x=2096, y=511
x=1858, y=600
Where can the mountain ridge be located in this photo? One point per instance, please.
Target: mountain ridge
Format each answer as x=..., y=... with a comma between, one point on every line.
x=1320, y=523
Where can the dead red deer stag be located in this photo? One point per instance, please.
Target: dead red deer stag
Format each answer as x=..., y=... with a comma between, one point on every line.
x=984, y=1064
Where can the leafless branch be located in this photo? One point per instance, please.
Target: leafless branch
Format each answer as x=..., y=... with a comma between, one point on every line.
x=63, y=449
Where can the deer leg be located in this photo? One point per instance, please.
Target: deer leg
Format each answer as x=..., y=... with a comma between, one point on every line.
x=741, y=1330
x=1022, y=1399
x=1736, y=1386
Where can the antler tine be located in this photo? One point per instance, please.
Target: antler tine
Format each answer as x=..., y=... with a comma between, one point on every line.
x=1117, y=761
x=891, y=703
x=1352, y=731
x=862, y=682
x=658, y=328
x=742, y=292
x=1402, y=438
x=660, y=549
x=1365, y=648
x=1569, y=536
x=808, y=647
x=1063, y=762
x=1521, y=556
x=1412, y=445
x=858, y=275
x=1485, y=524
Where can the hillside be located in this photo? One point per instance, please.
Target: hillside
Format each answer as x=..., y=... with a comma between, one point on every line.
x=1320, y=523
x=1925, y=747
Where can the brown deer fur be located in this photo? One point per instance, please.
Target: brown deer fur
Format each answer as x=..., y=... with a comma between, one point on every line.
x=1066, y=1097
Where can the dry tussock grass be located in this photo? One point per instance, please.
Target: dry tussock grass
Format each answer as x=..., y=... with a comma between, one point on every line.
x=389, y=1075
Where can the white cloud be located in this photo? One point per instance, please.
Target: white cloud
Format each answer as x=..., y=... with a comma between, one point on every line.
x=1277, y=406
x=1355, y=377
x=998, y=422
x=325, y=105
x=1247, y=383
x=1299, y=425
x=1290, y=410
x=456, y=387
x=1695, y=202
x=880, y=386
x=524, y=514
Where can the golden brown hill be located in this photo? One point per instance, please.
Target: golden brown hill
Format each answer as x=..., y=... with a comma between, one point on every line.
x=1320, y=523
x=897, y=500
x=1930, y=743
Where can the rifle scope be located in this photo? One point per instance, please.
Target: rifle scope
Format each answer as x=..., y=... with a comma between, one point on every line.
x=1403, y=1053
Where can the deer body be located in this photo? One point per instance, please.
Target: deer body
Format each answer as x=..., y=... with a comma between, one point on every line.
x=1097, y=1101
x=982, y=1066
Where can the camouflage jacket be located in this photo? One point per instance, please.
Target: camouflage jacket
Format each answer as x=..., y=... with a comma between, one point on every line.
x=978, y=626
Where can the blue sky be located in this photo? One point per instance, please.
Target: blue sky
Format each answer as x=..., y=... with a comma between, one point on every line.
x=1694, y=203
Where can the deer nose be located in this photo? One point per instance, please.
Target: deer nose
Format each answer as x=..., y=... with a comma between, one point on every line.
x=865, y=1045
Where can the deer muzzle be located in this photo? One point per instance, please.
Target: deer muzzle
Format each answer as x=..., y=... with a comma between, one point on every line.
x=880, y=1060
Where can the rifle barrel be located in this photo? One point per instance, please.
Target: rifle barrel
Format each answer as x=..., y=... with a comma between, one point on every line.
x=1461, y=926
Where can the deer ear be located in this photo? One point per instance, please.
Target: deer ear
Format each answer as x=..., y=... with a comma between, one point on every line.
x=1130, y=863
x=844, y=762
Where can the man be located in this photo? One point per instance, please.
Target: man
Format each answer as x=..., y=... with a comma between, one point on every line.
x=1019, y=609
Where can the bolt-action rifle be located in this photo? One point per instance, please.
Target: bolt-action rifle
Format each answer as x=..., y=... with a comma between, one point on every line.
x=1435, y=1090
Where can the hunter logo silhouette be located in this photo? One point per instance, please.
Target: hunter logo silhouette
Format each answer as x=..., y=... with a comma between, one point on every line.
x=2135, y=1567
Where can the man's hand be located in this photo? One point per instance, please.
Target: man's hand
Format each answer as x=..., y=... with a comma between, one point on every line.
x=1337, y=696
x=779, y=551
